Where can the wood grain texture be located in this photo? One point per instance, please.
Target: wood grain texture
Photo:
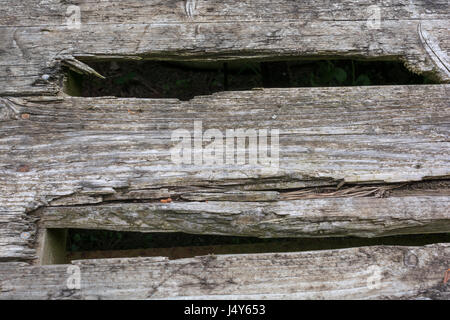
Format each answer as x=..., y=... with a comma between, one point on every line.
x=379, y=272
x=69, y=162
x=36, y=40
x=365, y=162
x=364, y=217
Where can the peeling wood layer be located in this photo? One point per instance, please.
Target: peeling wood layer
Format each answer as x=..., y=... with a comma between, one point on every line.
x=38, y=36
x=379, y=272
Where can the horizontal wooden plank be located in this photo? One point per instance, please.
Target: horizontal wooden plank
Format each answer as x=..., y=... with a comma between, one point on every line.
x=60, y=153
x=36, y=36
x=379, y=272
x=364, y=217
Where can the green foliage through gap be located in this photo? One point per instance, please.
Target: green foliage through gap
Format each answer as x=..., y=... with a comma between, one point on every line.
x=184, y=80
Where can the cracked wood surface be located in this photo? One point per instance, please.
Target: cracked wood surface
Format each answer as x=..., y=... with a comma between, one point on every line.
x=364, y=217
x=378, y=272
x=36, y=40
x=348, y=155
x=79, y=162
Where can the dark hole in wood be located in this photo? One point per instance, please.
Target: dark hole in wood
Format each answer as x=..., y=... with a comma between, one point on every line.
x=98, y=244
x=185, y=80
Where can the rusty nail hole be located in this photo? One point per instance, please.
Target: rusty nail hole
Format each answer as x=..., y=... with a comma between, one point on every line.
x=23, y=168
x=446, y=276
x=25, y=116
x=25, y=235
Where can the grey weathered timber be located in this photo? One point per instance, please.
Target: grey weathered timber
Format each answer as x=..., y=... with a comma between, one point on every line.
x=379, y=272
x=36, y=39
x=348, y=157
x=359, y=161
x=364, y=217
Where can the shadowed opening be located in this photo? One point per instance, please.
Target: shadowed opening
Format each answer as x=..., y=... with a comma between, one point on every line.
x=65, y=245
x=185, y=80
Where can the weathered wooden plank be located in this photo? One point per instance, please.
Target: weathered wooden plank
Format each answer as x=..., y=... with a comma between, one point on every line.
x=62, y=152
x=364, y=217
x=379, y=272
x=36, y=37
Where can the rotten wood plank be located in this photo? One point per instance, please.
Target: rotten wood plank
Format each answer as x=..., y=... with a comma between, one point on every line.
x=363, y=217
x=37, y=37
x=379, y=272
x=68, y=159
